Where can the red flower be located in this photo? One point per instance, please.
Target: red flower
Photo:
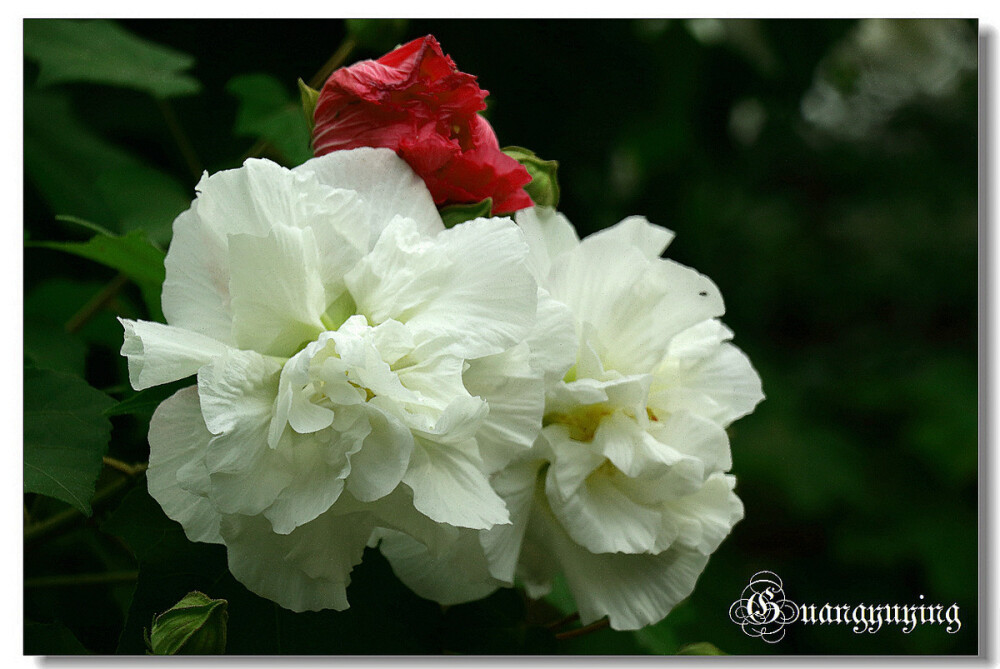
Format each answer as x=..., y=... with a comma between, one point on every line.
x=415, y=101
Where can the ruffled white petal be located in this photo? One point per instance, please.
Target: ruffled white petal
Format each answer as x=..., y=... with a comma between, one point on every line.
x=277, y=295
x=515, y=396
x=549, y=234
x=466, y=292
x=721, y=386
x=386, y=183
x=449, y=486
x=306, y=570
x=461, y=576
x=160, y=353
x=178, y=440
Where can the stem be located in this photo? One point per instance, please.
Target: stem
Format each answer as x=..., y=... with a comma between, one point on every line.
x=335, y=61
x=124, y=468
x=96, y=303
x=111, y=577
x=581, y=631
x=181, y=138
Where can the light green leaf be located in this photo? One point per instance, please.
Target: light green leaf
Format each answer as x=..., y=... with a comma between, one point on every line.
x=102, y=52
x=132, y=255
x=65, y=436
x=267, y=112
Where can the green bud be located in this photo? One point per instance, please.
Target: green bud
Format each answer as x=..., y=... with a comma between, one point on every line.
x=377, y=34
x=700, y=648
x=544, y=187
x=309, y=98
x=196, y=625
x=454, y=214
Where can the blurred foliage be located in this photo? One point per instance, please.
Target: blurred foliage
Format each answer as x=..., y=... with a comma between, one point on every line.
x=822, y=173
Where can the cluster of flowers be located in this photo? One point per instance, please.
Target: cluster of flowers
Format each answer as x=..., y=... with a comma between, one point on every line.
x=493, y=402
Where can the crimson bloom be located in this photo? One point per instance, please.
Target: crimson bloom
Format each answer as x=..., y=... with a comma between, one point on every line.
x=415, y=101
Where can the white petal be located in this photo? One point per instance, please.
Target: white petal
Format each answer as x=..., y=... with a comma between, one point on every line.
x=602, y=518
x=160, y=353
x=691, y=435
x=378, y=467
x=386, y=183
x=720, y=387
x=516, y=485
x=250, y=200
x=467, y=292
x=549, y=234
x=634, y=232
x=516, y=400
x=237, y=395
x=553, y=341
x=307, y=570
x=320, y=462
x=703, y=520
x=571, y=461
x=666, y=300
x=699, y=340
x=461, y=576
x=632, y=590
x=449, y=486
x=178, y=439
x=277, y=294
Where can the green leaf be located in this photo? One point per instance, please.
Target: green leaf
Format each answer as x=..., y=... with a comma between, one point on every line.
x=102, y=52
x=55, y=301
x=143, y=198
x=196, y=625
x=267, y=112
x=454, y=214
x=65, y=436
x=79, y=173
x=48, y=346
x=132, y=255
x=700, y=648
x=50, y=639
x=144, y=402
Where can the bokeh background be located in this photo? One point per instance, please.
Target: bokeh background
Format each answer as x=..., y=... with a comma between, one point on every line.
x=822, y=173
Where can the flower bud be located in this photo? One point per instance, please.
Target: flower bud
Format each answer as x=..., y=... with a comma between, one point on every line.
x=196, y=625
x=544, y=187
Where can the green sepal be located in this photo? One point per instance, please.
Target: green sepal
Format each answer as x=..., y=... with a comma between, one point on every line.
x=310, y=96
x=454, y=214
x=196, y=625
x=544, y=186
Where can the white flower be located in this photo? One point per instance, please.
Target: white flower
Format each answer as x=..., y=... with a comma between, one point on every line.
x=625, y=490
x=359, y=369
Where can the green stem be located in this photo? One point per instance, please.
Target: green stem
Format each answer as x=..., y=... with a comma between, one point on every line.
x=581, y=631
x=96, y=303
x=64, y=520
x=107, y=578
x=335, y=61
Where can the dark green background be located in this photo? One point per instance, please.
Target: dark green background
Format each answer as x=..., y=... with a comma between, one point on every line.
x=848, y=264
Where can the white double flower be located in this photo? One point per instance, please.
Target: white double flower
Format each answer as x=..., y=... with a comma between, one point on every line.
x=487, y=403
x=359, y=368
x=625, y=491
